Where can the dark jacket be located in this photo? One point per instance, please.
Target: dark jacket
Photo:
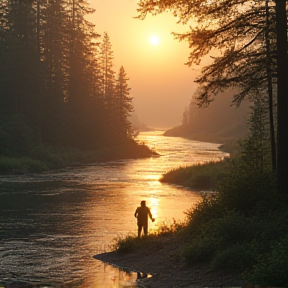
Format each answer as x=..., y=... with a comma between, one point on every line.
x=142, y=214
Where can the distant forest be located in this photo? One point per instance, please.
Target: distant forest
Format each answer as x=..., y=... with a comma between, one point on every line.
x=57, y=83
x=221, y=121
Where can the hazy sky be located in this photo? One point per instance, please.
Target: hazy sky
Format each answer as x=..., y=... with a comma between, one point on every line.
x=161, y=84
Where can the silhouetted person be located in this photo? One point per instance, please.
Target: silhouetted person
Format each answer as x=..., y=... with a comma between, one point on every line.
x=142, y=214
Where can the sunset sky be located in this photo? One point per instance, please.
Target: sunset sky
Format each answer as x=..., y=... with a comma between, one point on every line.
x=161, y=84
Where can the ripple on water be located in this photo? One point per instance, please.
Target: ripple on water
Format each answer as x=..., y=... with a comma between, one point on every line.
x=53, y=223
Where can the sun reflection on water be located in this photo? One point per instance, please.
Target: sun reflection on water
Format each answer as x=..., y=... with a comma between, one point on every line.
x=154, y=206
x=79, y=211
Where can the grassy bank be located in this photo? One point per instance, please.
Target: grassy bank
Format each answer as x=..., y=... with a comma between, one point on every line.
x=43, y=158
x=205, y=176
x=242, y=229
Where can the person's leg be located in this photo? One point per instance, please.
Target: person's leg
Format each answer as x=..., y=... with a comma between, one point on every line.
x=145, y=230
x=139, y=230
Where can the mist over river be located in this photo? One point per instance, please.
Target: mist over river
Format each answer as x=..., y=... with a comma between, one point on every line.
x=51, y=224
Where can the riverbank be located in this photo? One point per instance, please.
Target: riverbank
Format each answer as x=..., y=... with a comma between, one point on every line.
x=43, y=158
x=161, y=260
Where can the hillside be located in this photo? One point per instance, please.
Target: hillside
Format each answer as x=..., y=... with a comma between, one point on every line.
x=218, y=122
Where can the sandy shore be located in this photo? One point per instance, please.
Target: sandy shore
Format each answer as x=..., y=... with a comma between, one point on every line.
x=168, y=270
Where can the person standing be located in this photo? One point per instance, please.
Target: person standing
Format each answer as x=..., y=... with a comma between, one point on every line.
x=142, y=214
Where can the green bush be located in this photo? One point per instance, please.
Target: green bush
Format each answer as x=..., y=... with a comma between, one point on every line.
x=173, y=227
x=48, y=156
x=233, y=228
x=235, y=257
x=272, y=267
x=32, y=165
x=249, y=192
x=206, y=210
x=229, y=239
x=17, y=165
x=9, y=164
x=200, y=249
x=218, y=234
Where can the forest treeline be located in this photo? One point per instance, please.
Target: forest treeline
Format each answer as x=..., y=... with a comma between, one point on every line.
x=57, y=83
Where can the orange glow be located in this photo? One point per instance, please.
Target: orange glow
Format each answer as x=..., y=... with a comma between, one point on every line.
x=154, y=40
x=154, y=206
x=161, y=84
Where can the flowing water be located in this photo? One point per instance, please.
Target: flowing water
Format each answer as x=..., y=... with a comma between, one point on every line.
x=51, y=224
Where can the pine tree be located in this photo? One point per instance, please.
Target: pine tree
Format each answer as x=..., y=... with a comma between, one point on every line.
x=256, y=147
x=5, y=107
x=53, y=36
x=124, y=105
x=108, y=87
x=19, y=61
x=81, y=74
x=108, y=74
x=185, y=116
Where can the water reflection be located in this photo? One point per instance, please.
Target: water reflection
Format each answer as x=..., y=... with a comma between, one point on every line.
x=154, y=206
x=53, y=223
x=117, y=278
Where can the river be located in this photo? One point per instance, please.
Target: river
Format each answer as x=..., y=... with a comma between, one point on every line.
x=51, y=224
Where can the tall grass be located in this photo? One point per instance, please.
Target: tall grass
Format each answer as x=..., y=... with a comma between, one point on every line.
x=201, y=176
x=131, y=242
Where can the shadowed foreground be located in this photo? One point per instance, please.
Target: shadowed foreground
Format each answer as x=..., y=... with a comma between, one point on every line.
x=161, y=259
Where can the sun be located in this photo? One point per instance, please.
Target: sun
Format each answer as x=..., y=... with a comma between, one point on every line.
x=154, y=40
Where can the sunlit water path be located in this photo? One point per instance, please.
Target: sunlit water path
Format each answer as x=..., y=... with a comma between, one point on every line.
x=52, y=224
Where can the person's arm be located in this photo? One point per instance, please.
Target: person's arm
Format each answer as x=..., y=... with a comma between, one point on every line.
x=150, y=215
x=136, y=213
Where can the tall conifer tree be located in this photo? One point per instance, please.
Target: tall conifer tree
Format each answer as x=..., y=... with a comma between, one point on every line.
x=124, y=105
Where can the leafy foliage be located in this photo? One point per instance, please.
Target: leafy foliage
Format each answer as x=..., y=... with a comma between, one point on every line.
x=243, y=226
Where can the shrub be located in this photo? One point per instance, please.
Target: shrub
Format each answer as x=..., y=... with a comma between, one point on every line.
x=234, y=257
x=47, y=156
x=249, y=192
x=272, y=267
x=9, y=164
x=233, y=228
x=171, y=228
x=200, y=249
x=220, y=236
x=206, y=210
x=16, y=165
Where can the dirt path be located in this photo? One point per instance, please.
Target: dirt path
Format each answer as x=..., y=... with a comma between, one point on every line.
x=168, y=270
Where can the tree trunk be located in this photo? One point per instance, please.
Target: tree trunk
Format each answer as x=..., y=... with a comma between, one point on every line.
x=282, y=96
x=270, y=91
